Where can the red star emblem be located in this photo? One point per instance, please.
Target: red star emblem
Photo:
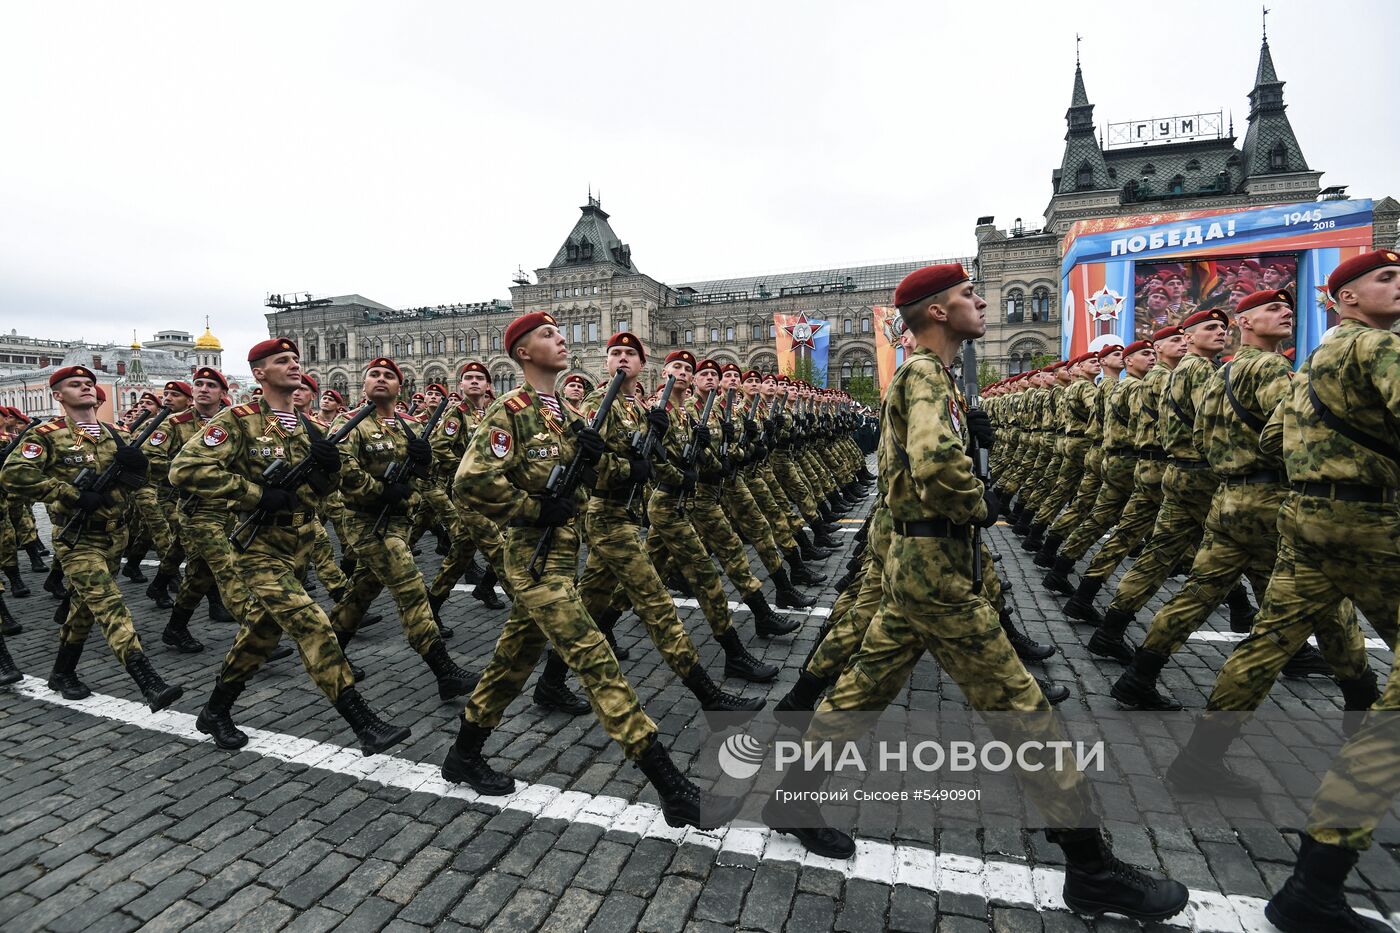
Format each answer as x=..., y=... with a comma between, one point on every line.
x=1324, y=299
x=802, y=331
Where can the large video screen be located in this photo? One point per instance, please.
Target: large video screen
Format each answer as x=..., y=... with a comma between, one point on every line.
x=1170, y=291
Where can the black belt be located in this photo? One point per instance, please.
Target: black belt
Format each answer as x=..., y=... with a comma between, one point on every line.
x=614, y=495
x=285, y=519
x=1346, y=492
x=1258, y=477
x=932, y=528
x=670, y=489
x=1184, y=464
x=1151, y=453
x=1122, y=451
x=1076, y=434
x=94, y=525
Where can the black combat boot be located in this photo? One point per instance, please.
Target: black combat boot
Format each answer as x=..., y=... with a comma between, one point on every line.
x=1242, y=611
x=444, y=539
x=157, y=693
x=1049, y=550
x=1054, y=693
x=53, y=583
x=552, y=693
x=1096, y=882
x=801, y=574
x=133, y=571
x=1314, y=896
x=787, y=595
x=36, y=560
x=343, y=639
x=43, y=550
x=804, y=694
x=9, y=673
x=452, y=681
x=1036, y=539
x=159, y=591
x=1023, y=521
x=1081, y=604
x=713, y=699
x=435, y=604
x=1358, y=696
x=798, y=814
x=64, y=678
x=1109, y=641
x=8, y=624
x=1306, y=662
x=216, y=719
x=17, y=584
x=347, y=566
x=218, y=612
x=485, y=590
x=1058, y=577
x=739, y=663
x=1027, y=649
x=177, y=632
x=808, y=549
x=682, y=803
x=472, y=575
x=1137, y=688
x=606, y=621
x=466, y=765
x=1200, y=768
x=374, y=734
x=766, y=622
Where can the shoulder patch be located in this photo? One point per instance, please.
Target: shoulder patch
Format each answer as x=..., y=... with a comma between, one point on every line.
x=184, y=417
x=31, y=451
x=501, y=442
x=157, y=438
x=214, y=436
x=449, y=427
x=515, y=404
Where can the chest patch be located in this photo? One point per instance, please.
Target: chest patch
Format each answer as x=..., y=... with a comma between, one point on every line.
x=31, y=451
x=214, y=436
x=501, y=442
x=157, y=438
x=449, y=428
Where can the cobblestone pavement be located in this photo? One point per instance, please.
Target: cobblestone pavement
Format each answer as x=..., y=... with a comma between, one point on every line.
x=115, y=819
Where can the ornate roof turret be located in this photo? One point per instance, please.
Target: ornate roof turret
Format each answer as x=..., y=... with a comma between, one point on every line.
x=207, y=341
x=1083, y=167
x=592, y=241
x=1270, y=148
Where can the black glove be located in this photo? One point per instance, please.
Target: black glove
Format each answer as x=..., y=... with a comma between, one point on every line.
x=639, y=471
x=688, y=477
x=590, y=442
x=420, y=452
x=131, y=460
x=979, y=425
x=993, y=503
x=659, y=422
x=751, y=430
x=757, y=452
x=702, y=436
x=90, y=501
x=325, y=456
x=727, y=428
x=394, y=493
x=555, y=512
x=277, y=500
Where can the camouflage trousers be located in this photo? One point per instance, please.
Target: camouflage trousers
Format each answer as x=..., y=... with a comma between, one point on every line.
x=91, y=567
x=381, y=563
x=1026, y=454
x=745, y=517
x=843, y=636
x=474, y=532
x=1083, y=495
x=1046, y=468
x=1186, y=500
x=616, y=558
x=1136, y=521
x=672, y=532
x=1115, y=489
x=434, y=506
x=1328, y=551
x=204, y=539
x=272, y=570
x=794, y=487
x=928, y=604
x=1357, y=791
x=781, y=503
x=151, y=520
x=1241, y=537
x=323, y=560
x=779, y=519
x=171, y=558
x=21, y=522
x=9, y=549
x=550, y=610
x=1066, y=479
x=707, y=515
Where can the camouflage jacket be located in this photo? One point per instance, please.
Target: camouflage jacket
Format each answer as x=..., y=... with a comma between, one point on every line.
x=1179, y=405
x=668, y=468
x=1147, y=410
x=42, y=468
x=510, y=456
x=450, y=438
x=1118, y=407
x=1077, y=407
x=923, y=445
x=365, y=455
x=162, y=446
x=625, y=417
x=1258, y=380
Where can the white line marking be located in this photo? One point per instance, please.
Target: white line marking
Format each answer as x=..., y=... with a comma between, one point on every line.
x=1001, y=882
x=1372, y=644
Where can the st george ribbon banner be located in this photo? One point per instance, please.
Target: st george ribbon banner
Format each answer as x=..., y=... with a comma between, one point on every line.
x=802, y=338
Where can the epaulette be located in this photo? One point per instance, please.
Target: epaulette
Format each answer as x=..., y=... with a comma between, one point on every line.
x=243, y=411
x=184, y=417
x=515, y=404
x=48, y=427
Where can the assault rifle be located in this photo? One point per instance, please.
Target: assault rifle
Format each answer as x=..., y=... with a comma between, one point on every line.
x=280, y=474
x=400, y=471
x=89, y=480
x=976, y=451
x=692, y=449
x=643, y=445
x=563, y=480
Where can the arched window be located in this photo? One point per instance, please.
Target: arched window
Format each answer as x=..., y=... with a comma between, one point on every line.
x=1040, y=304
x=674, y=335
x=714, y=335
x=1084, y=178
x=341, y=384
x=1015, y=306
x=865, y=325
x=503, y=381
x=757, y=331
x=846, y=326
x=729, y=334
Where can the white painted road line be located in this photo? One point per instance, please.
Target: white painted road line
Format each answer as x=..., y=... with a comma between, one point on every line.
x=1372, y=644
x=1005, y=883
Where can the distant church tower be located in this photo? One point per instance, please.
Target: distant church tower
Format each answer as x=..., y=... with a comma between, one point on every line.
x=207, y=349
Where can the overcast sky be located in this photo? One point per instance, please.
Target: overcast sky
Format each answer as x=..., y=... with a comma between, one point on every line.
x=164, y=161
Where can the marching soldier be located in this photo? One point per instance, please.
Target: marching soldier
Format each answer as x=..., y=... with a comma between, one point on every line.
x=146, y=514
x=44, y=468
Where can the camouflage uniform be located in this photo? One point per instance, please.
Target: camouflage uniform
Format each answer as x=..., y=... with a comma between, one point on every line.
x=1085, y=489
x=202, y=526
x=1076, y=411
x=505, y=470
x=237, y=445
x=473, y=530
x=1119, y=463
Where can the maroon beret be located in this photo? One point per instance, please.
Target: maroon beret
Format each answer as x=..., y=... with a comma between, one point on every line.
x=1137, y=346
x=708, y=365
x=1106, y=350
x=182, y=387
x=101, y=394
x=262, y=351
x=683, y=356
x=1201, y=317
x=769, y=377
x=209, y=372
x=524, y=324
x=418, y=395
x=309, y=381
x=751, y=374
x=68, y=372
x=438, y=386
x=383, y=362
x=473, y=367
x=623, y=339
x=1091, y=355
x=579, y=378
x=1357, y=266
x=930, y=280
x=1171, y=330
x=151, y=396
x=340, y=399
x=1260, y=299
x=730, y=368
